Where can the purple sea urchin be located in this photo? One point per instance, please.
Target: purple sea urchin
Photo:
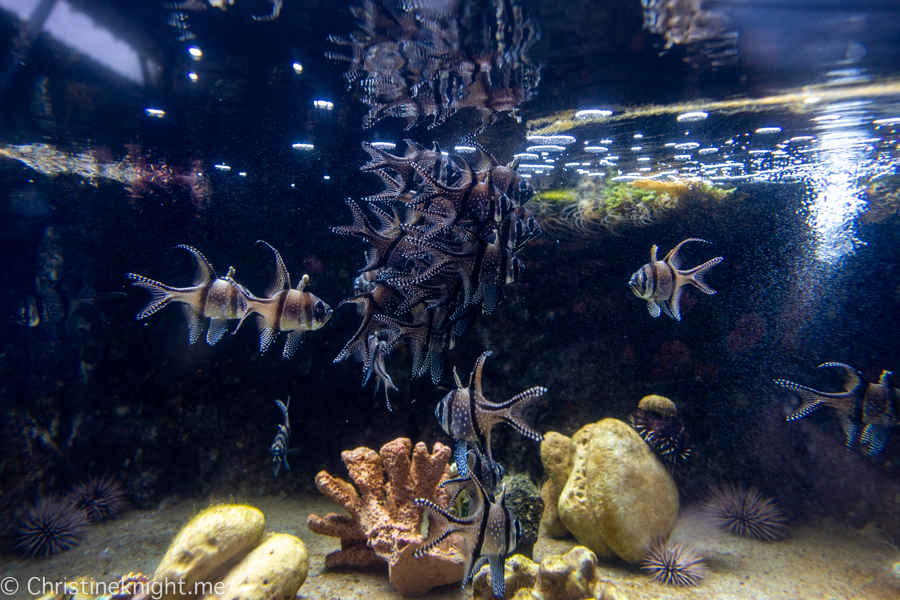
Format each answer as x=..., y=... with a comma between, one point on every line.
x=99, y=498
x=746, y=512
x=663, y=432
x=51, y=526
x=674, y=564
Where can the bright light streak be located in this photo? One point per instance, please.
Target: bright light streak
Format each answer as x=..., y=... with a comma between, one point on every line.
x=306, y=147
x=155, y=112
x=223, y=167
x=326, y=177
x=690, y=117
x=559, y=140
x=323, y=104
x=765, y=130
x=596, y=149
x=526, y=156
x=592, y=114
x=465, y=149
x=192, y=76
x=384, y=145
x=298, y=68
x=545, y=148
x=196, y=52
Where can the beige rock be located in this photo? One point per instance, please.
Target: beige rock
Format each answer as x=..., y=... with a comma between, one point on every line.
x=217, y=537
x=619, y=496
x=571, y=576
x=274, y=570
x=555, y=456
x=659, y=405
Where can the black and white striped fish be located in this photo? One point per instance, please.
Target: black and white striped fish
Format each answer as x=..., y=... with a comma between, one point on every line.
x=867, y=411
x=468, y=416
x=279, y=447
x=490, y=533
x=219, y=298
x=295, y=311
x=661, y=282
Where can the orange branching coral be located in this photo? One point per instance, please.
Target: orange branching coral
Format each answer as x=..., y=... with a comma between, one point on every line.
x=384, y=524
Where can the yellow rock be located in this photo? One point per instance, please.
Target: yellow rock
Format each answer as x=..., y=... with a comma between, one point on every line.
x=274, y=570
x=619, y=497
x=214, y=539
x=555, y=456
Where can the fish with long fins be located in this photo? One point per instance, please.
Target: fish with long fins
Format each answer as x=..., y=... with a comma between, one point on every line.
x=490, y=532
x=867, y=411
x=662, y=282
x=467, y=416
x=217, y=298
x=294, y=311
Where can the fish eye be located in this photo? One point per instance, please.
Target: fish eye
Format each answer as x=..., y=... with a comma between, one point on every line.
x=320, y=309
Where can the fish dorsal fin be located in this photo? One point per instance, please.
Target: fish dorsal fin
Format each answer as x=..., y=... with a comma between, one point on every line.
x=885, y=378
x=459, y=384
x=304, y=281
x=413, y=148
x=205, y=271
x=282, y=280
x=476, y=374
x=674, y=256
x=436, y=147
x=653, y=250
x=230, y=274
x=483, y=160
x=854, y=378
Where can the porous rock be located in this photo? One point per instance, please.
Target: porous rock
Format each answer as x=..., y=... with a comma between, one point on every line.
x=619, y=496
x=555, y=456
x=522, y=497
x=213, y=540
x=571, y=576
x=274, y=570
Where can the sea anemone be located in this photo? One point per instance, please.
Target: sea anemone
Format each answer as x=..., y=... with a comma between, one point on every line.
x=52, y=525
x=674, y=564
x=99, y=498
x=746, y=512
x=656, y=421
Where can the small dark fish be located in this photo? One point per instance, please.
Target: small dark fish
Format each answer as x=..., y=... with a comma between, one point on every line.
x=380, y=345
x=661, y=282
x=279, y=447
x=490, y=532
x=219, y=298
x=284, y=309
x=467, y=416
x=867, y=411
x=50, y=306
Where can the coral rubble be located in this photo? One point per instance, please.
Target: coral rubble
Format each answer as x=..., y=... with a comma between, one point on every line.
x=597, y=205
x=571, y=576
x=384, y=523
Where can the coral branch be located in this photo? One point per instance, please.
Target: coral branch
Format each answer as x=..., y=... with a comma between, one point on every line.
x=384, y=523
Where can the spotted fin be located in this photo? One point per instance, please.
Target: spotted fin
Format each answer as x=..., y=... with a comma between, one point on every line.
x=217, y=328
x=653, y=307
x=851, y=429
x=516, y=405
x=498, y=583
x=282, y=280
x=674, y=255
x=290, y=345
x=873, y=438
x=205, y=272
x=195, y=325
x=161, y=294
x=266, y=334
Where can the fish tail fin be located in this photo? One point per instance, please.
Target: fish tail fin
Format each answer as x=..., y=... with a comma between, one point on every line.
x=697, y=275
x=515, y=407
x=812, y=399
x=162, y=294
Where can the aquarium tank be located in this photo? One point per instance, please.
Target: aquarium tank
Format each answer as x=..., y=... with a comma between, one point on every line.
x=450, y=299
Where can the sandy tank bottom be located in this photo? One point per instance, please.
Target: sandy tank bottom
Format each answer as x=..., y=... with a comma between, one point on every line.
x=829, y=561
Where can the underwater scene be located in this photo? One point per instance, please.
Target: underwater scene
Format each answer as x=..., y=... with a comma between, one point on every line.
x=450, y=299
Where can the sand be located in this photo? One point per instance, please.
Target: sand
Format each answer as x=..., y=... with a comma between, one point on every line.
x=829, y=561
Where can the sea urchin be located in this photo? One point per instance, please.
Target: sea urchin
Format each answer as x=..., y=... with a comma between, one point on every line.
x=52, y=525
x=100, y=498
x=746, y=512
x=674, y=564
